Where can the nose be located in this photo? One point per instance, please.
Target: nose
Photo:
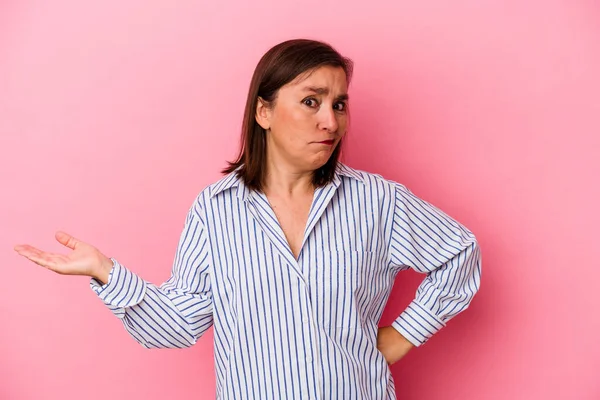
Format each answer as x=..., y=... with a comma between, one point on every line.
x=328, y=119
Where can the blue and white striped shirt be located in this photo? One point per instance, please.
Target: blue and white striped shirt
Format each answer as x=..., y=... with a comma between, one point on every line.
x=306, y=328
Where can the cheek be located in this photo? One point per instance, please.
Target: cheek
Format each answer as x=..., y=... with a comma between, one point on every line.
x=288, y=120
x=301, y=119
x=295, y=125
x=343, y=124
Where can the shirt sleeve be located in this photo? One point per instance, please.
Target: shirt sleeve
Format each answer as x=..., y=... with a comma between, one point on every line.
x=174, y=314
x=429, y=241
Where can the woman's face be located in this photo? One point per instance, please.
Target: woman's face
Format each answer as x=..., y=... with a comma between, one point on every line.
x=308, y=119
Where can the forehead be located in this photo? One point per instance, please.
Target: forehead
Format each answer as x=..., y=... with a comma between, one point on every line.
x=328, y=78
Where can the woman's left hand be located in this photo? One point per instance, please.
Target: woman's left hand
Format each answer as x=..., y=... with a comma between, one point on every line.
x=392, y=344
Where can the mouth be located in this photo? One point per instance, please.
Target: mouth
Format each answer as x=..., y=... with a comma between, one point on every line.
x=328, y=142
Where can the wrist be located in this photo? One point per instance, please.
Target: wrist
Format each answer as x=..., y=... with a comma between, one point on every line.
x=103, y=272
x=401, y=344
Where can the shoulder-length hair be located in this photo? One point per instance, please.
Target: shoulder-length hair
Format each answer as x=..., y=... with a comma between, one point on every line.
x=277, y=67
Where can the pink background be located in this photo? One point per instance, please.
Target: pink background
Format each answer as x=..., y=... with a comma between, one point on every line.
x=114, y=115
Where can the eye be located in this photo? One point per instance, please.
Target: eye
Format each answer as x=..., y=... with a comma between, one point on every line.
x=310, y=102
x=340, y=106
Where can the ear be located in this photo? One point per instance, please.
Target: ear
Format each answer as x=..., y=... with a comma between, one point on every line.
x=263, y=113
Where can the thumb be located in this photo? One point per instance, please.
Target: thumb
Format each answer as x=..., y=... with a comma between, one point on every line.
x=66, y=240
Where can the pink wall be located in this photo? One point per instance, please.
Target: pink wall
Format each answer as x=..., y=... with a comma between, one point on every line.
x=113, y=115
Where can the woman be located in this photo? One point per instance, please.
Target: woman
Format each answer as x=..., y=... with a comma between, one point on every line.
x=292, y=255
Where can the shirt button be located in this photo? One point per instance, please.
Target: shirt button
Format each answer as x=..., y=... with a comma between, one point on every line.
x=309, y=359
x=305, y=319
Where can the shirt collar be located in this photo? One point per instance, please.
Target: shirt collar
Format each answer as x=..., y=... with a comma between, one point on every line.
x=232, y=180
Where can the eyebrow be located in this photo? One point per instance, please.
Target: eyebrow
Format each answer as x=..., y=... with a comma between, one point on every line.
x=324, y=91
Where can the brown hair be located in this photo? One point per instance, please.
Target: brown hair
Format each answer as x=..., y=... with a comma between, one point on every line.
x=277, y=67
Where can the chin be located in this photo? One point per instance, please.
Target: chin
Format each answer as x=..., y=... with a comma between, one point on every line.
x=319, y=161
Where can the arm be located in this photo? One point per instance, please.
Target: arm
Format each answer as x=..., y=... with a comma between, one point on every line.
x=174, y=314
x=429, y=241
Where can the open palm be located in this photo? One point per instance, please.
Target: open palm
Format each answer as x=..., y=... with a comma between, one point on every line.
x=85, y=259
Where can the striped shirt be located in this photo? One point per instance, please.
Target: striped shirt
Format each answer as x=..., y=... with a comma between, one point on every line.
x=305, y=328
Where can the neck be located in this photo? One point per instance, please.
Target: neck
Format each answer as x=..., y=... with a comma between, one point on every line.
x=283, y=180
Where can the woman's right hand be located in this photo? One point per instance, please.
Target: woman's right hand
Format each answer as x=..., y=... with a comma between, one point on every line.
x=85, y=259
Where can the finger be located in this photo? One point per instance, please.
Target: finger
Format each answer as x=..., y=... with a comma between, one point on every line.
x=66, y=239
x=32, y=253
x=38, y=257
x=25, y=250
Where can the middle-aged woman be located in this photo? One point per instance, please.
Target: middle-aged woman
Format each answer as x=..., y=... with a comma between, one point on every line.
x=292, y=255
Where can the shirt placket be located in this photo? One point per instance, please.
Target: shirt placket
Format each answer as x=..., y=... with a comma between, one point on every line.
x=309, y=325
x=261, y=210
